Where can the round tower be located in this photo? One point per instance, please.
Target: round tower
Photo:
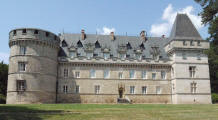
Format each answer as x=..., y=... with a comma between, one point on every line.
x=33, y=64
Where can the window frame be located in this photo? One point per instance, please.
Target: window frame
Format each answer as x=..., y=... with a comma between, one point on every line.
x=94, y=73
x=97, y=89
x=66, y=72
x=132, y=89
x=22, y=50
x=108, y=73
x=22, y=66
x=21, y=87
x=144, y=91
x=130, y=76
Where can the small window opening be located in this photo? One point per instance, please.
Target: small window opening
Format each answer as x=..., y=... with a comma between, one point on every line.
x=46, y=34
x=24, y=31
x=36, y=32
x=14, y=32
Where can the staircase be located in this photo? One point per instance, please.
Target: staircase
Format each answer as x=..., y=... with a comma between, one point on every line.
x=123, y=100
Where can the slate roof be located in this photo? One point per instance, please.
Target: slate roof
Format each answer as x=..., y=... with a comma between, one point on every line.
x=105, y=42
x=184, y=29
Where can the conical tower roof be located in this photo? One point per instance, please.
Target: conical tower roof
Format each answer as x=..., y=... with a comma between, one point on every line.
x=184, y=29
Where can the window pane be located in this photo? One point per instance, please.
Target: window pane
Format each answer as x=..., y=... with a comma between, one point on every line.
x=22, y=50
x=77, y=88
x=106, y=73
x=144, y=76
x=132, y=89
x=158, y=90
x=163, y=75
x=144, y=88
x=153, y=75
x=92, y=73
x=132, y=73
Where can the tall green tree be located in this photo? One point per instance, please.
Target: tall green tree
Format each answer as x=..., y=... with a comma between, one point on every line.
x=209, y=17
x=3, y=81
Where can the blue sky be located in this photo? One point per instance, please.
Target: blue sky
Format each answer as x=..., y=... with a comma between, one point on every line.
x=103, y=16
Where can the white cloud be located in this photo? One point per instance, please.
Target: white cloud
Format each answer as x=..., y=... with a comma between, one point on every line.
x=105, y=30
x=4, y=57
x=168, y=18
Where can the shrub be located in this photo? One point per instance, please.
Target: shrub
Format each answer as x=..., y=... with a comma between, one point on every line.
x=2, y=99
x=214, y=97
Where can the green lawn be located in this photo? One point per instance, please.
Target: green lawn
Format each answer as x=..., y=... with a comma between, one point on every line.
x=108, y=112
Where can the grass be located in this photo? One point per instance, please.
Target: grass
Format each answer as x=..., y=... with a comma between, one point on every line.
x=108, y=112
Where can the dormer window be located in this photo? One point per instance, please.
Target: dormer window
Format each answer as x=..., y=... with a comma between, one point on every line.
x=36, y=32
x=89, y=55
x=106, y=56
x=142, y=46
x=79, y=44
x=14, y=32
x=64, y=44
x=24, y=31
x=184, y=43
x=46, y=34
x=128, y=46
x=199, y=43
x=122, y=56
x=192, y=43
x=72, y=54
x=97, y=45
x=138, y=56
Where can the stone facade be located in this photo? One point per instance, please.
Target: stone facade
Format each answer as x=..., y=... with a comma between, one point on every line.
x=80, y=68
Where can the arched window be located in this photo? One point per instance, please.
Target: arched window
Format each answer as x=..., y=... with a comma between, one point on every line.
x=97, y=45
x=79, y=44
x=64, y=43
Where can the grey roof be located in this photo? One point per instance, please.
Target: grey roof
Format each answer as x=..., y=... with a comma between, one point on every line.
x=106, y=42
x=184, y=29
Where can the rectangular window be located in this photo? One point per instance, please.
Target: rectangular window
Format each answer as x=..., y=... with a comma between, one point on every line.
x=106, y=56
x=106, y=73
x=92, y=73
x=88, y=55
x=46, y=34
x=65, y=72
x=138, y=56
x=65, y=88
x=192, y=71
x=72, y=54
x=77, y=88
x=14, y=32
x=132, y=89
x=184, y=43
x=192, y=43
x=193, y=87
x=36, y=32
x=21, y=66
x=122, y=56
x=97, y=89
x=144, y=75
x=199, y=43
x=199, y=56
x=77, y=74
x=153, y=76
x=120, y=75
x=22, y=50
x=158, y=90
x=163, y=75
x=24, y=31
x=21, y=85
x=132, y=74
x=184, y=57
x=144, y=89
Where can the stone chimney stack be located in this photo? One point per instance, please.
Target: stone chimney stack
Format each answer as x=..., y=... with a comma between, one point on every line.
x=83, y=35
x=112, y=36
x=143, y=35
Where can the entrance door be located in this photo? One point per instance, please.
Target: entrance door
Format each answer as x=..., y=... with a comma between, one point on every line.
x=121, y=92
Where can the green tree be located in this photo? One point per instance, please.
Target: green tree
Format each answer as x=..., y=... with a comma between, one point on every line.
x=209, y=17
x=3, y=81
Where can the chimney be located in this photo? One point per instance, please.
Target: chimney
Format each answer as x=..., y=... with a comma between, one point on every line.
x=143, y=35
x=163, y=36
x=83, y=35
x=112, y=36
